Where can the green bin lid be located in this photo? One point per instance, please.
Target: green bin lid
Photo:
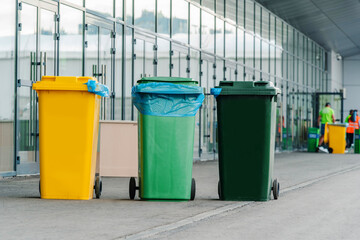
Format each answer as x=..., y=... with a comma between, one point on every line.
x=167, y=79
x=258, y=88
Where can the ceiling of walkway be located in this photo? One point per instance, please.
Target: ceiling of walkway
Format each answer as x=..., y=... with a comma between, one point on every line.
x=334, y=24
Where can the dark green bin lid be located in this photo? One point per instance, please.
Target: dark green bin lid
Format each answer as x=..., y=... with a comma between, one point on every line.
x=258, y=88
x=167, y=79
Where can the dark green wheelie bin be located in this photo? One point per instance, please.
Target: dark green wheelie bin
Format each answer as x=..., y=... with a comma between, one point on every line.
x=246, y=114
x=313, y=139
x=357, y=141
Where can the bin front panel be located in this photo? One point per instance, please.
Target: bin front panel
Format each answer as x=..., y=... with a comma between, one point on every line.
x=68, y=134
x=246, y=146
x=337, y=138
x=166, y=146
x=313, y=139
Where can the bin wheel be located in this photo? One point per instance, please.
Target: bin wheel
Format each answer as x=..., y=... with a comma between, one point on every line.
x=276, y=189
x=317, y=149
x=39, y=188
x=132, y=188
x=330, y=150
x=193, y=189
x=219, y=190
x=98, y=187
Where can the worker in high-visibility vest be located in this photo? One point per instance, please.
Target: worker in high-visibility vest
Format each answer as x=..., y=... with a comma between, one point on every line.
x=347, y=121
x=326, y=116
x=353, y=124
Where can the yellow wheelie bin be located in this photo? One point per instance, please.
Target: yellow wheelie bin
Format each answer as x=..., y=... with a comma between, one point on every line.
x=335, y=137
x=68, y=135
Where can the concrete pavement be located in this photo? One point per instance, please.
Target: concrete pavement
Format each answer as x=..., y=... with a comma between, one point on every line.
x=316, y=190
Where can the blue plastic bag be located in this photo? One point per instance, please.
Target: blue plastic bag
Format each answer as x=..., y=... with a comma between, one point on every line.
x=215, y=91
x=167, y=99
x=97, y=88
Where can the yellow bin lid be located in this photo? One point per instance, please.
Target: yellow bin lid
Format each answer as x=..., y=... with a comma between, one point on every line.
x=62, y=83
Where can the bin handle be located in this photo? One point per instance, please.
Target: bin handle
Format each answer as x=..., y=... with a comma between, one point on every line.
x=261, y=83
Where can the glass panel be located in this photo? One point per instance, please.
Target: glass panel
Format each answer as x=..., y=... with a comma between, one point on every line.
x=230, y=10
x=180, y=20
x=265, y=27
x=105, y=65
x=265, y=57
x=149, y=59
x=119, y=4
x=208, y=3
x=230, y=41
x=144, y=14
x=70, y=57
x=92, y=38
x=219, y=71
x=27, y=125
x=219, y=37
x=241, y=11
x=272, y=29
x=257, y=54
x=118, y=72
x=230, y=73
x=194, y=26
x=278, y=57
x=279, y=32
x=129, y=11
x=105, y=7
x=240, y=46
x=47, y=45
x=220, y=7
x=129, y=74
x=194, y=65
x=272, y=60
x=179, y=64
x=163, y=8
x=249, y=49
x=240, y=73
x=207, y=31
x=249, y=15
x=163, y=56
x=7, y=57
x=258, y=20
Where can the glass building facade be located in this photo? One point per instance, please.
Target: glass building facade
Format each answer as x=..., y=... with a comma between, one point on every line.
x=120, y=41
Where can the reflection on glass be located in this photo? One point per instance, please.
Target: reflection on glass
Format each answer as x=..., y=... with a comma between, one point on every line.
x=47, y=45
x=105, y=7
x=77, y=2
x=219, y=37
x=194, y=26
x=279, y=29
x=265, y=25
x=70, y=57
x=219, y=71
x=180, y=20
x=118, y=72
x=272, y=29
x=208, y=4
x=144, y=14
x=220, y=7
x=7, y=57
x=163, y=57
x=207, y=31
x=249, y=49
x=163, y=8
x=230, y=41
x=179, y=64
